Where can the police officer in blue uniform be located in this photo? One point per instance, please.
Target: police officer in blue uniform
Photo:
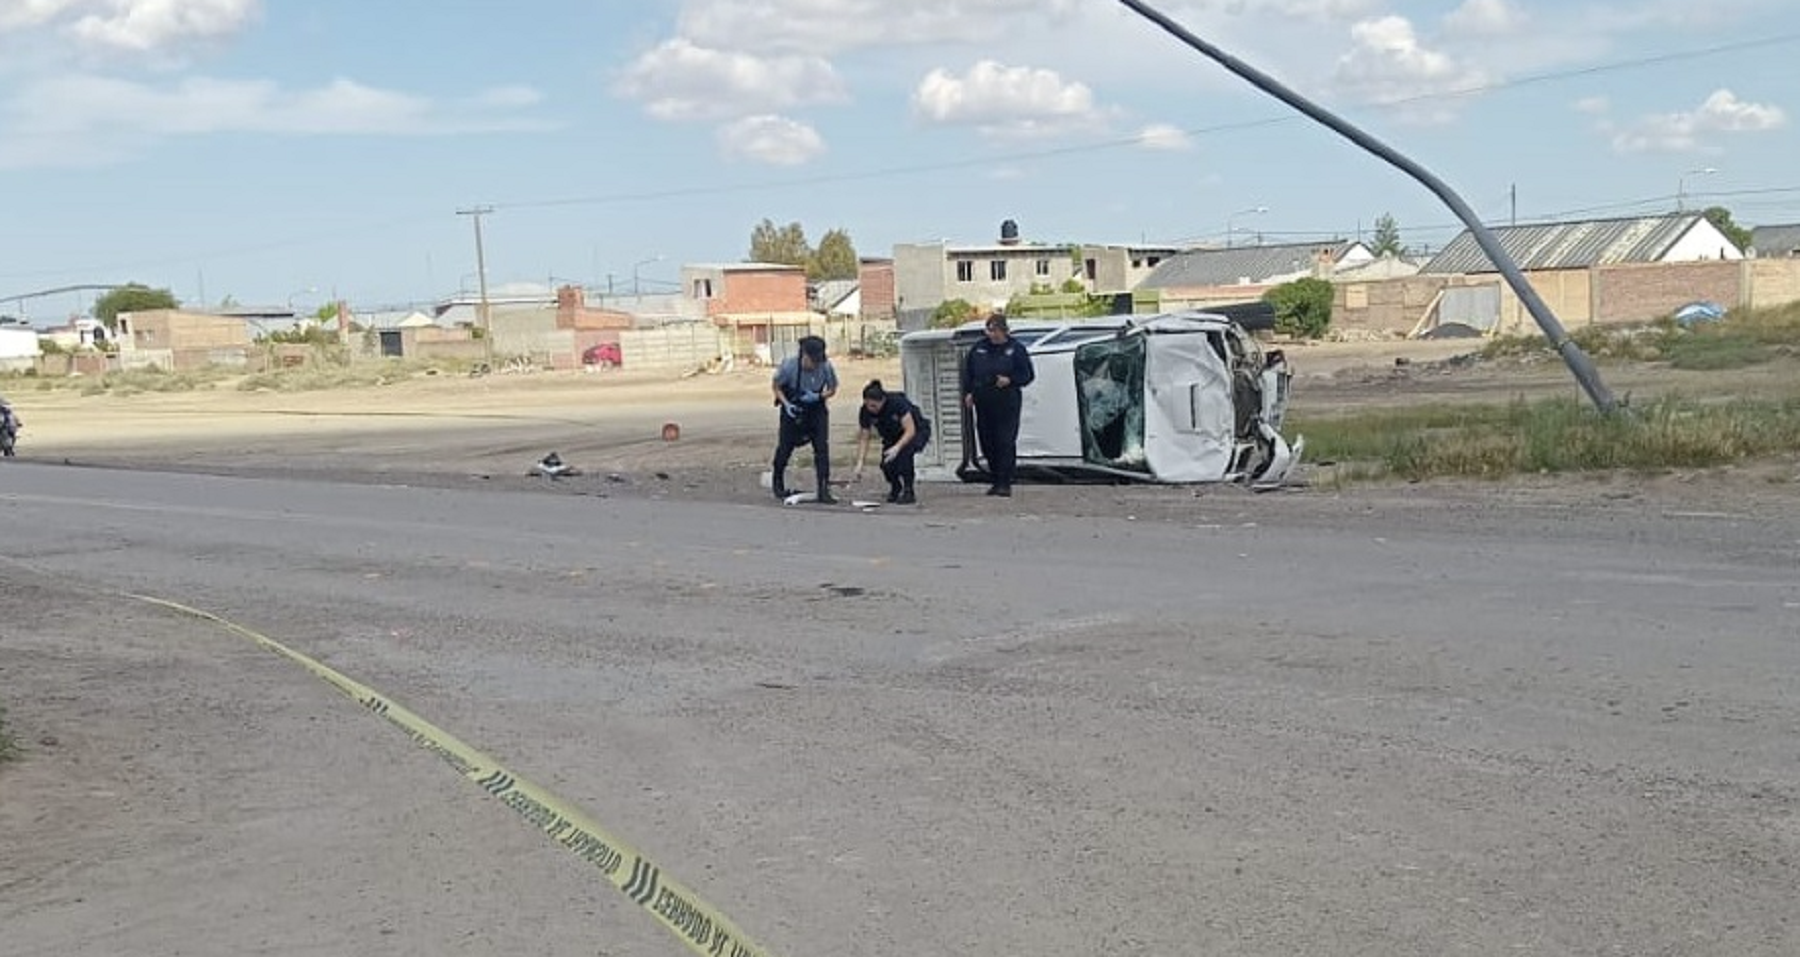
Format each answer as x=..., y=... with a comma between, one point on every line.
x=993, y=373
x=802, y=384
x=903, y=430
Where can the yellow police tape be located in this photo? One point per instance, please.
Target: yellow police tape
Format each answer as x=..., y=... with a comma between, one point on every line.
x=699, y=925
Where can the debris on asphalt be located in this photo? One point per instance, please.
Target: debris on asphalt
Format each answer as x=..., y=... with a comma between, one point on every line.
x=552, y=466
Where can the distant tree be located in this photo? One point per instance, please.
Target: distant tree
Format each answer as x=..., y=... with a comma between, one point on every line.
x=953, y=313
x=1387, y=236
x=326, y=313
x=785, y=245
x=1073, y=285
x=1302, y=307
x=1721, y=217
x=132, y=297
x=834, y=259
x=229, y=302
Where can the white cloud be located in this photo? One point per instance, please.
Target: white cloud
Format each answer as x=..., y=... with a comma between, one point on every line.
x=1324, y=10
x=1387, y=64
x=776, y=140
x=132, y=26
x=1691, y=131
x=680, y=80
x=1164, y=136
x=835, y=26
x=85, y=119
x=1005, y=100
x=24, y=14
x=147, y=25
x=1593, y=105
x=1485, y=18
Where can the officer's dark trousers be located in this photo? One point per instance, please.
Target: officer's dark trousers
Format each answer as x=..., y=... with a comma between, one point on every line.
x=901, y=471
x=811, y=427
x=997, y=428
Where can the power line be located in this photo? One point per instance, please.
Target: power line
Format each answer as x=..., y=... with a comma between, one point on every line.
x=315, y=238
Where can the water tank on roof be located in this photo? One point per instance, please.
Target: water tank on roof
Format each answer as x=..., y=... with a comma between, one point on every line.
x=1009, y=233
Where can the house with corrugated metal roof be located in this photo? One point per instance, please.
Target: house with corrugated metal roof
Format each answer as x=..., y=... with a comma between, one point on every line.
x=1631, y=269
x=1255, y=265
x=1208, y=276
x=1585, y=244
x=1775, y=242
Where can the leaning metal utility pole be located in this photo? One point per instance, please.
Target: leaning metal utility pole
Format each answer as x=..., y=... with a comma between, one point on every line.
x=482, y=316
x=1578, y=361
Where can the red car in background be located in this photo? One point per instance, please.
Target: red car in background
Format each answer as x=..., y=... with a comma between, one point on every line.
x=606, y=355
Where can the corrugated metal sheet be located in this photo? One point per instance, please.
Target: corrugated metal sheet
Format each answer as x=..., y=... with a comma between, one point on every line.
x=1776, y=242
x=1231, y=266
x=1575, y=245
x=827, y=295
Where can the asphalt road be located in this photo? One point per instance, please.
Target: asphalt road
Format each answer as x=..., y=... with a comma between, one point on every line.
x=1279, y=727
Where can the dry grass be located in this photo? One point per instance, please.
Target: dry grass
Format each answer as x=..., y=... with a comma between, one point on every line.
x=1555, y=435
x=1743, y=338
x=320, y=378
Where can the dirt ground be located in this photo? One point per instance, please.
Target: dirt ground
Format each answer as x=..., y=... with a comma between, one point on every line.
x=450, y=431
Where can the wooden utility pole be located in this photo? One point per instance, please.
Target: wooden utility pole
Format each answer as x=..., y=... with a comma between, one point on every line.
x=482, y=316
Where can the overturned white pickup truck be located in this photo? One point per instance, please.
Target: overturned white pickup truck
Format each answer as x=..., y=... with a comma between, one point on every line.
x=1185, y=397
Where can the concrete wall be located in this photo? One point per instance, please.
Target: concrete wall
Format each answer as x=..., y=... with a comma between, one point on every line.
x=533, y=334
x=84, y=363
x=1119, y=269
x=918, y=283
x=926, y=276
x=1568, y=292
x=674, y=349
x=1774, y=282
x=1387, y=307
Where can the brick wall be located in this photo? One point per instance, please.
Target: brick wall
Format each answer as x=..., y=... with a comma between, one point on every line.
x=1641, y=293
x=174, y=329
x=877, y=289
x=573, y=312
x=752, y=292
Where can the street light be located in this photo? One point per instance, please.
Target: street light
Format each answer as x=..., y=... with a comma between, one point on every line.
x=1231, y=221
x=636, y=291
x=1681, y=185
x=308, y=291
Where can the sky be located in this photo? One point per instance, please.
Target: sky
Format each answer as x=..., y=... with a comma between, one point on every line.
x=289, y=151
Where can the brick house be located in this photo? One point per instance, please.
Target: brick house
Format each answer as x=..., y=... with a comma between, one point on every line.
x=1590, y=271
x=763, y=306
x=875, y=283
x=175, y=340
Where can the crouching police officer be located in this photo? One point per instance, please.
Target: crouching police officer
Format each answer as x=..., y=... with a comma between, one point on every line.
x=994, y=372
x=803, y=383
x=903, y=430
